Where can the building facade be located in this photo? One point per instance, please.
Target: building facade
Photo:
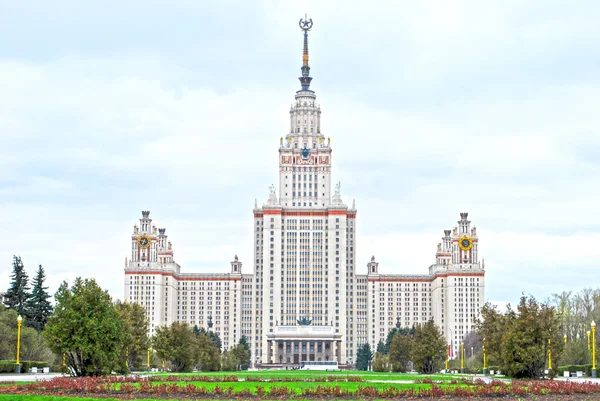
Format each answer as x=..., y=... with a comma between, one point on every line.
x=304, y=299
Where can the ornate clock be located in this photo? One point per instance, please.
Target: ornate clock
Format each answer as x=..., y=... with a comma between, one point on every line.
x=143, y=241
x=305, y=152
x=465, y=243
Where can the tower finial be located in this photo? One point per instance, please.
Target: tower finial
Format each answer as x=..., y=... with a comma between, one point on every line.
x=305, y=25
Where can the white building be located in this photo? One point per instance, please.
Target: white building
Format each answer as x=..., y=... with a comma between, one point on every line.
x=304, y=299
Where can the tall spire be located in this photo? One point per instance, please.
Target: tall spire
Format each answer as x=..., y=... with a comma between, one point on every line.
x=305, y=79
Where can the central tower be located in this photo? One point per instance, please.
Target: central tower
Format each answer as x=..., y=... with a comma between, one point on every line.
x=305, y=246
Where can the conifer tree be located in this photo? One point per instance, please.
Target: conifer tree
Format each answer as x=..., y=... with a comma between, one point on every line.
x=18, y=294
x=39, y=307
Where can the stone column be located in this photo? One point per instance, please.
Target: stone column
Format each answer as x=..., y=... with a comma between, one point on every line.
x=339, y=351
x=268, y=351
x=322, y=350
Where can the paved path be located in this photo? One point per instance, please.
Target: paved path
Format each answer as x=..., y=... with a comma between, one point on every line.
x=28, y=377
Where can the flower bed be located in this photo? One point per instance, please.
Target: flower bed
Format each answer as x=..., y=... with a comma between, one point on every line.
x=134, y=387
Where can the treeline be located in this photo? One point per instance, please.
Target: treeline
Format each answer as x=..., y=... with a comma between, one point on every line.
x=422, y=348
x=87, y=334
x=576, y=312
x=32, y=304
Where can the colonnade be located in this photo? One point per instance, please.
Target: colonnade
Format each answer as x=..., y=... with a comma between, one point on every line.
x=298, y=351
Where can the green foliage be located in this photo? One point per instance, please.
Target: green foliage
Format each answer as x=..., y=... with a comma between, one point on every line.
x=32, y=343
x=214, y=337
x=381, y=363
x=364, y=355
x=135, y=336
x=10, y=366
x=178, y=345
x=400, y=351
x=38, y=305
x=209, y=356
x=229, y=362
x=587, y=368
x=406, y=331
x=242, y=353
x=518, y=340
x=87, y=327
x=429, y=350
x=576, y=352
x=18, y=294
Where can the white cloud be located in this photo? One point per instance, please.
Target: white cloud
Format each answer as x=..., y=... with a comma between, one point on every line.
x=433, y=109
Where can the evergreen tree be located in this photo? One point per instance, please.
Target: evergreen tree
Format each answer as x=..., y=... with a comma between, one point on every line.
x=381, y=348
x=18, y=294
x=135, y=336
x=242, y=353
x=39, y=307
x=363, y=357
x=429, y=348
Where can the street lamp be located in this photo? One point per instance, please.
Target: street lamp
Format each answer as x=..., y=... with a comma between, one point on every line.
x=18, y=365
x=149, y=358
x=588, y=334
x=484, y=360
x=549, y=356
x=565, y=337
x=471, y=352
x=593, y=349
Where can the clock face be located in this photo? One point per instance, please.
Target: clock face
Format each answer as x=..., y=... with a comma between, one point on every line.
x=305, y=153
x=144, y=241
x=465, y=243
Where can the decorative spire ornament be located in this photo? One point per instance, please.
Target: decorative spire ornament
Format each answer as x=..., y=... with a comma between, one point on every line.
x=305, y=25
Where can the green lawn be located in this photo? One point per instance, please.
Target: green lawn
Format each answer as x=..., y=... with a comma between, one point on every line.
x=271, y=374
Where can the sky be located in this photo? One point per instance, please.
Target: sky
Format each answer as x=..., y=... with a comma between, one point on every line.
x=108, y=108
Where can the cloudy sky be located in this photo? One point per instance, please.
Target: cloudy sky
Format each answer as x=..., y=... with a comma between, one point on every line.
x=434, y=108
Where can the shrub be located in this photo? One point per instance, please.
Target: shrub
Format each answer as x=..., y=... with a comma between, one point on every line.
x=575, y=368
x=9, y=366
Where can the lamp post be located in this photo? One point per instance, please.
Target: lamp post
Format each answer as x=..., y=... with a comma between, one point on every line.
x=18, y=364
x=565, y=337
x=462, y=357
x=149, y=358
x=588, y=334
x=593, y=349
x=549, y=356
x=471, y=352
x=484, y=360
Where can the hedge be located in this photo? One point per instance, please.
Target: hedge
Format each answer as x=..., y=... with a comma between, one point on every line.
x=575, y=368
x=9, y=366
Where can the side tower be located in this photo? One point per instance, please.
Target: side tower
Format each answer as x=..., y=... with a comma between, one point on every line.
x=458, y=286
x=151, y=273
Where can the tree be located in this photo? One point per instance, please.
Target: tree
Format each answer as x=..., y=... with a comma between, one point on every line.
x=214, y=337
x=400, y=352
x=381, y=348
x=407, y=331
x=178, y=344
x=86, y=327
x=518, y=340
x=242, y=352
x=428, y=348
x=135, y=336
x=39, y=307
x=363, y=357
x=229, y=362
x=209, y=356
x=18, y=293
x=381, y=362
x=33, y=347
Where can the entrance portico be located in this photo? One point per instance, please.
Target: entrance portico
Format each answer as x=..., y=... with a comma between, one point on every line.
x=292, y=345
